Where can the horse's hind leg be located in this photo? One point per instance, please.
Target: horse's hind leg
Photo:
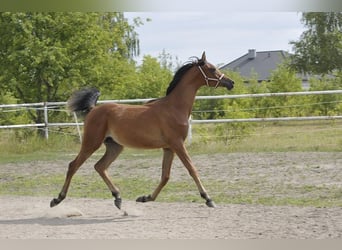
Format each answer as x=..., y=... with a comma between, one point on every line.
x=166, y=169
x=73, y=167
x=112, y=152
x=89, y=145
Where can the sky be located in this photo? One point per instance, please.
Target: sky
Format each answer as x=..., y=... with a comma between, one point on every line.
x=224, y=36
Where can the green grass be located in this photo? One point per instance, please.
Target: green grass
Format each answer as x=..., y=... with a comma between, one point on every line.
x=300, y=136
x=316, y=136
x=18, y=147
x=240, y=192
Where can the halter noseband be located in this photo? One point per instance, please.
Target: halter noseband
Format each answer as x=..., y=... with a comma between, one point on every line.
x=207, y=79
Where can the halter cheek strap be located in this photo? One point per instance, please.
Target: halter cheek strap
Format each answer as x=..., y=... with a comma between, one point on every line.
x=207, y=79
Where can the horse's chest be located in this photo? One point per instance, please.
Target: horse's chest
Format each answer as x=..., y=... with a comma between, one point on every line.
x=178, y=129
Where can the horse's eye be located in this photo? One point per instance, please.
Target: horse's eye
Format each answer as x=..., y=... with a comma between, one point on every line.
x=212, y=70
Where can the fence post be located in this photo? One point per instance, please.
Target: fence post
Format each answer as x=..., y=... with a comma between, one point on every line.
x=190, y=131
x=78, y=127
x=46, y=122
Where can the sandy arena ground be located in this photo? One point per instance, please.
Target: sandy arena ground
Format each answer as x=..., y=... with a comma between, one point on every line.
x=32, y=218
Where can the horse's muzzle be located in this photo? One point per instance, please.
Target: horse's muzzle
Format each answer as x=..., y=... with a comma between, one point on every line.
x=229, y=84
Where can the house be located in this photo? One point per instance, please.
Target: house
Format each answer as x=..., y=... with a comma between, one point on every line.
x=261, y=63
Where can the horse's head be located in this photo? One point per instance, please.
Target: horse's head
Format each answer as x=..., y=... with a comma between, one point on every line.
x=212, y=76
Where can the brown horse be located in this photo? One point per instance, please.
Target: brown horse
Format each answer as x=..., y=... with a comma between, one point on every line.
x=162, y=123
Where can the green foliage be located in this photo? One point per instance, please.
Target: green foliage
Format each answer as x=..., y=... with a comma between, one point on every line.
x=153, y=78
x=326, y=104
x=167, y=61
x=11, y=116
x=149, y=80
x=45, y=56
x=122, y=83
x=283, y=79
x=319, y=49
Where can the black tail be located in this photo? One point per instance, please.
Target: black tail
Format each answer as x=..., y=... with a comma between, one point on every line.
x=83, y=101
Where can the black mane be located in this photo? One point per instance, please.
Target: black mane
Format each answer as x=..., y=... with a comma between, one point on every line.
x=178, y=75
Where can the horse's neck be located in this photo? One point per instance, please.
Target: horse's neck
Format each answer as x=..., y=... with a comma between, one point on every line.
x=183, y=96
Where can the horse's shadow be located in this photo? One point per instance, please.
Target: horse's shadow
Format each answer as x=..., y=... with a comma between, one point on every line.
x=46, y=221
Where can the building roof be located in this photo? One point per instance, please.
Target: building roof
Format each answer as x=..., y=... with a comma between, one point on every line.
x=260, y=62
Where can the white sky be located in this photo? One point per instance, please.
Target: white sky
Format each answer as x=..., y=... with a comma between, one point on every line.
x=224, y=36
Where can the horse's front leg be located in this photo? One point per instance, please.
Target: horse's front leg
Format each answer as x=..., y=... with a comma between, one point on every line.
x=166, y=169
x=185, y=158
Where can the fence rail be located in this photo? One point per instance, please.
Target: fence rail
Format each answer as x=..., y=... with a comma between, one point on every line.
x=323, y=92
x=271, y=119
x=47, y=106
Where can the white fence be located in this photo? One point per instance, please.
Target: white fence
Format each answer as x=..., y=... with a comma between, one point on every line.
x=46, y=106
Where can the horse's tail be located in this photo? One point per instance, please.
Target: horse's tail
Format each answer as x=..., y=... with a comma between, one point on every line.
x=83, y=101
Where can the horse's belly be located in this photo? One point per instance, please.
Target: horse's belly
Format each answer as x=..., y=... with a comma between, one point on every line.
x=138, y=138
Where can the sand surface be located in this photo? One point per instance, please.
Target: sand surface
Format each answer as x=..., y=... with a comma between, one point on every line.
x=78, y=218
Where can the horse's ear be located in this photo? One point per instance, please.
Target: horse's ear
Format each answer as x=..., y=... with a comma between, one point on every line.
x=204, y=58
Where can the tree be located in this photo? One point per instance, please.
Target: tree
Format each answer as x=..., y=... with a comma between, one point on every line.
x=319, y=49
x=284, y=79
x=326, y=104
x=154, y=77
x=167, y=61
x=45, y=56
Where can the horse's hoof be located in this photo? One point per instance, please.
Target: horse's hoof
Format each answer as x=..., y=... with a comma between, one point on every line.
x=117, y=202
x=54, y=202
x=144, y=198
x=210, y=203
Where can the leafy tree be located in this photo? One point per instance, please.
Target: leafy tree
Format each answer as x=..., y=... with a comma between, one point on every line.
x=167, y=61
x=154, y=78
x=45, y=56
x=284, y=79
x=11, y=116
x=258, y=106
x=319, y=49
x=149, y=80
x=122, y=82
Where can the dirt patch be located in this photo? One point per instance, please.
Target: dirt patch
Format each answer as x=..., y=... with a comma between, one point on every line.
x=31, y=217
